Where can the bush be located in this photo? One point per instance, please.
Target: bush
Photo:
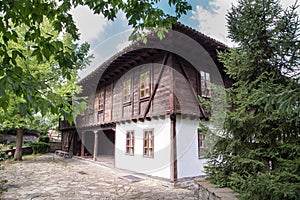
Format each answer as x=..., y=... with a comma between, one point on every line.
x=44, y=138
x=39, y=147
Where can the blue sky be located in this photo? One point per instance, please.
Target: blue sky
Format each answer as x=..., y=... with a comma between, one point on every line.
x=108, y=37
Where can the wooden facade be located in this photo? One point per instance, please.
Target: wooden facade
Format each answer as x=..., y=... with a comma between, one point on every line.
x=144, y=83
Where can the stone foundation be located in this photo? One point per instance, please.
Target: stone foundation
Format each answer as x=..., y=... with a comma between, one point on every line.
x=208, y=191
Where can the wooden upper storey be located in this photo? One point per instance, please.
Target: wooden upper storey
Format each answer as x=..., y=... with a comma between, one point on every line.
x=141, y=82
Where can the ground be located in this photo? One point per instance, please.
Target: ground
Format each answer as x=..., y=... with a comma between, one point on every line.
x=51, y=177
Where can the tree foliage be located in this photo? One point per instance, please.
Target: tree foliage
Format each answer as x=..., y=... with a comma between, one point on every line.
x=37, y=85
x=16, y=80
x=48, y=92
x=39, y=55
x=259, y=154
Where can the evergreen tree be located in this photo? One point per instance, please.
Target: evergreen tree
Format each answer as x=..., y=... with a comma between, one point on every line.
x=259, y=154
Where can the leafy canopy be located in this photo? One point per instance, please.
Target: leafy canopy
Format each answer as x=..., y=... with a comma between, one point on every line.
x=47, y=91
x=16, y=80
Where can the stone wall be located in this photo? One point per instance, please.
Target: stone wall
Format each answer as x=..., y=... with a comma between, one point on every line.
x=208, y=191
x=12, y=138
x=54, y=146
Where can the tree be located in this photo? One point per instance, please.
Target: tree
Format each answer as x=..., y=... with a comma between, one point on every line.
x=18, y=79
x=259, y=154
x=15, y=80
x=48, y=92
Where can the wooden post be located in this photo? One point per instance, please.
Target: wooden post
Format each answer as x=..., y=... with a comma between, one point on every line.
x=82, y=145
x=173, y=156
x=95, y=146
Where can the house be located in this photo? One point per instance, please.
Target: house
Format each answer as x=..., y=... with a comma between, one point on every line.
x=143, y=109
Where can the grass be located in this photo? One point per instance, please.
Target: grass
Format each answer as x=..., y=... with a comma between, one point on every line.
x=24, y=157
x=31, y=156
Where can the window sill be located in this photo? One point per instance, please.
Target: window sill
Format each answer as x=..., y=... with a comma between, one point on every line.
x=148, y=156
x=127, y=103
x=206, y=97
x=145, y=99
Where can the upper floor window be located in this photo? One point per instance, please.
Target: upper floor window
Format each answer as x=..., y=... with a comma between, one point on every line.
x=145, y=85
x=202, y=148
x=127, y=91
x=148, y=150
x=130, y=143
x=100, y=101
x=205, y=84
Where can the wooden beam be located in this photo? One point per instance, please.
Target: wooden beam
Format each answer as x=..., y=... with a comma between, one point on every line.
x=173, y=156
x=112, y=101
x=95, y=146
x=82, y=145
x=192, y=90
x=156, y=85
x=172, y=84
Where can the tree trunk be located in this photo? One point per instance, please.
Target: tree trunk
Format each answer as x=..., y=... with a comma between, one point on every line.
x=19, y=141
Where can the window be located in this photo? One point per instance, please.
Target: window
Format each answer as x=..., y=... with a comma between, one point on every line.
x=130, y=143
x=126, y=91
x=100, y=101
x=148, y=143
x=202, y=149
x=145, y=85
x=205, y=84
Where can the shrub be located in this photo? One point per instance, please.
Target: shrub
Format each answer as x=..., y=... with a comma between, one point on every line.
x=39, y=147
x=44, y=138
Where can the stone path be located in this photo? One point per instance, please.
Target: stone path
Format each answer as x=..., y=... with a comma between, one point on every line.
x=50, y=177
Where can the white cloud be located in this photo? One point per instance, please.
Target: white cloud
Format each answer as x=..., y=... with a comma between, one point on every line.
x=89, y=24
x=213, y=22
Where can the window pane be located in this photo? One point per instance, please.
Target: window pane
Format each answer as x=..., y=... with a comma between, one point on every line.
x=144, y=84
x=130, y=143
x=127, y=91
x=205, y=84
x=148, y=143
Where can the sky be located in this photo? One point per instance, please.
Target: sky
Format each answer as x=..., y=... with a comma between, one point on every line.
x=108, y=37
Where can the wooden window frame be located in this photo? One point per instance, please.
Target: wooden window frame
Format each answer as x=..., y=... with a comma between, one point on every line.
x=148, y=143
x=205, y=84
x=127, y=91
x=129, y=149
x=100, y=101
x=202, y=149
x=145, y=88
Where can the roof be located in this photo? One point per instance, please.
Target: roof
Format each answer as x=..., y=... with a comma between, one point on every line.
x=134, y=52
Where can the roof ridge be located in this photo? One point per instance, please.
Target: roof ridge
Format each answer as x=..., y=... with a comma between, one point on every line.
x=135, y=43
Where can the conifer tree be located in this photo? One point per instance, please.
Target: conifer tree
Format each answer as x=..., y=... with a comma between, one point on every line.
x=259, y=154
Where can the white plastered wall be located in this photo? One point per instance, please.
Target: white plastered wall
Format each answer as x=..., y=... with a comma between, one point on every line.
x=188, y=163
x=159, y=165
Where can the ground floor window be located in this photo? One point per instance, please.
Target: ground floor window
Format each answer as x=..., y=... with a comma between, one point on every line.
x=130, y=143
x=148, y=150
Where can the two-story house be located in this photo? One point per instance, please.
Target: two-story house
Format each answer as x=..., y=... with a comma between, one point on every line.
x=144, y=109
